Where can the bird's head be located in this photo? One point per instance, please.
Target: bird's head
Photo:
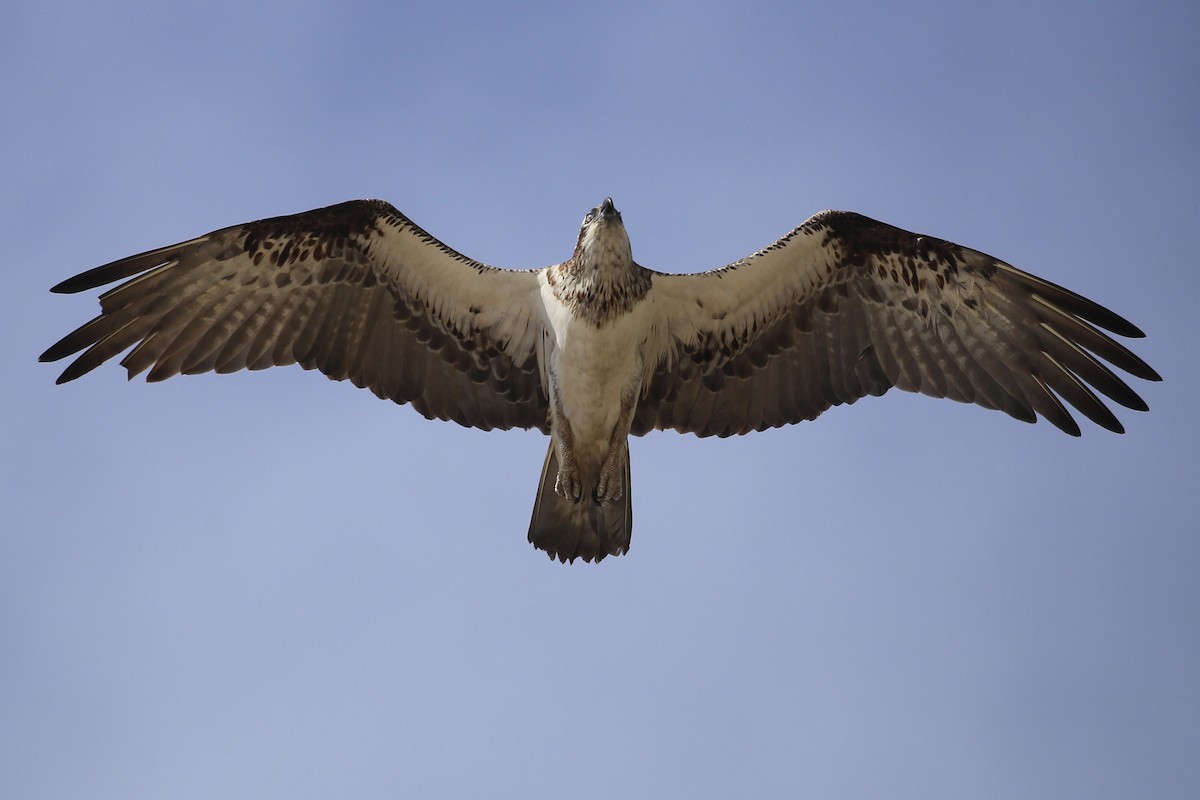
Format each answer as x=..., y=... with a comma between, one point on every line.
x=603, y=242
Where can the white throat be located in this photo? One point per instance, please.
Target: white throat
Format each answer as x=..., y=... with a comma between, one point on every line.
x=605, y=248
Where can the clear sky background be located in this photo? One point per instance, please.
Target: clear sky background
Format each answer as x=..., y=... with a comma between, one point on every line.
x=271, y=585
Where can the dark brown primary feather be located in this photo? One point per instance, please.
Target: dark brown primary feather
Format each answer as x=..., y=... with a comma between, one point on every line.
x=314, y=289
x=845, y=307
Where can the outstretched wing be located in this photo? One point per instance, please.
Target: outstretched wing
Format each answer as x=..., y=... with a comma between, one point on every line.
x=844, y=306
x=354, y=290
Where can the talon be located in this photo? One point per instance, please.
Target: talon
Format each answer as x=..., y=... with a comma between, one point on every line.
x=608, y=489
x=568, y=486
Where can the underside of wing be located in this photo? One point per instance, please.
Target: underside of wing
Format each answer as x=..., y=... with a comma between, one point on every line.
x=844, y=307
x=355, y=290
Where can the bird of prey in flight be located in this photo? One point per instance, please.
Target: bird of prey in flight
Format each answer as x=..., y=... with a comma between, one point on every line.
x=599, y=347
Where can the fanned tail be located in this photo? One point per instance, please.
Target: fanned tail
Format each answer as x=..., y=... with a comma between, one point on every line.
x=587, y=529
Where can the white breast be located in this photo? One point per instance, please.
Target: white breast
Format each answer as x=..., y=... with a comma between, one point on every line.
x=593, y=366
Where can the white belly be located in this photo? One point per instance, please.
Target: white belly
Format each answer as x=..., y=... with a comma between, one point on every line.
x=592, y=367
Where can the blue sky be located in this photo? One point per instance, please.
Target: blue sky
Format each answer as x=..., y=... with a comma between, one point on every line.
x=272, y=585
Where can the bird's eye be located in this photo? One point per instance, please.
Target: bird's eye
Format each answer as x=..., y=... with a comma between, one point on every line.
x=591, y=215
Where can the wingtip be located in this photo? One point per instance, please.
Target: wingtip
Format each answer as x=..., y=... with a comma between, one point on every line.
x=90, y=279
x=65, y=377
x=73, y=371
x=55, y=352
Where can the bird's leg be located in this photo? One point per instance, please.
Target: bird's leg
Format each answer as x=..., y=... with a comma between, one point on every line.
x=610, y=486
x=568, y=484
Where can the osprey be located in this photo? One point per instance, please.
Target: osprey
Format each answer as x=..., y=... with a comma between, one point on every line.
x=598, y=347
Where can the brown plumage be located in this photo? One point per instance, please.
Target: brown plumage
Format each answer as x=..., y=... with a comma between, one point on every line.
x=598, y=347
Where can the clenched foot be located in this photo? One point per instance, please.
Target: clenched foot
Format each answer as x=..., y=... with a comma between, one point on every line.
x=568, y=483
x=609, y=488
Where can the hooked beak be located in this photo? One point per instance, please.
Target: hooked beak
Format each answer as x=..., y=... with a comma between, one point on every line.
x=608, y=210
